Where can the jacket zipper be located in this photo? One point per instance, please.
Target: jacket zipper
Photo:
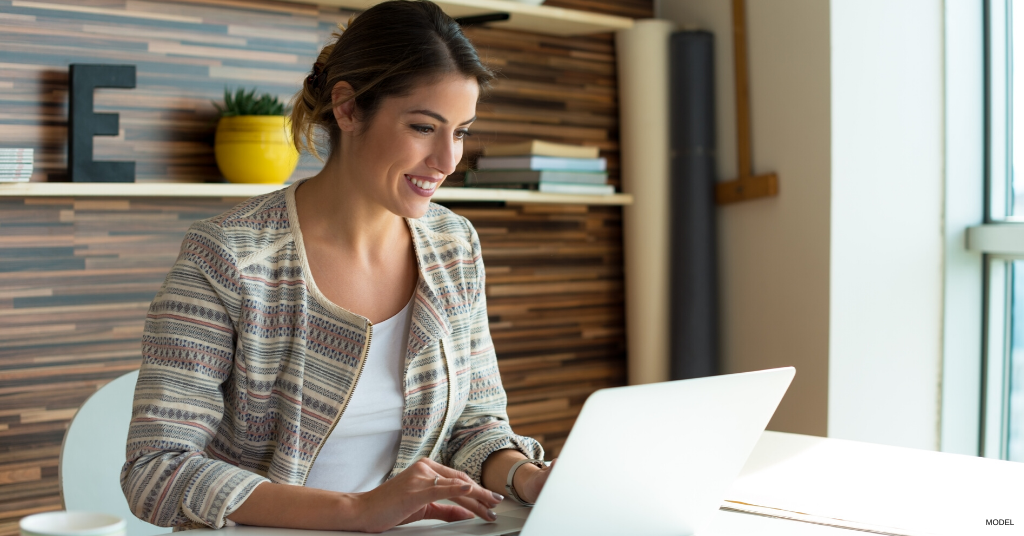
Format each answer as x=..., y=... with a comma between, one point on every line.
x=362, y=364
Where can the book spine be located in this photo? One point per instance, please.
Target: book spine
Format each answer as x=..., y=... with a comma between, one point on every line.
x=554, y=188
x=541, y=163
x=580, y=189
x=533, y=177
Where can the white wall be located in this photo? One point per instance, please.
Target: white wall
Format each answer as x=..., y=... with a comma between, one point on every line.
x=841, y=274
x=774, y=253
x=885, y=305
x=965, y=186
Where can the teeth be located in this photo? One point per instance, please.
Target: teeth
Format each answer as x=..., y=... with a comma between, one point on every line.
x=426, y=185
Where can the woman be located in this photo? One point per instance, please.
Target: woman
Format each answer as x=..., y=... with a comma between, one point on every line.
x=319, y=357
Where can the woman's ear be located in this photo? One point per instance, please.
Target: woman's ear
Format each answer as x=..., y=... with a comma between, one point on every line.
x=344, y=106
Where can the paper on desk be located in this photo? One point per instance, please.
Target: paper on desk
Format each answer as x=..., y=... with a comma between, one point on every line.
x=878, y=488
x=733, y=506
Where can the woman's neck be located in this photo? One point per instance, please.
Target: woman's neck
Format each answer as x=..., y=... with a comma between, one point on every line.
x=334, y=207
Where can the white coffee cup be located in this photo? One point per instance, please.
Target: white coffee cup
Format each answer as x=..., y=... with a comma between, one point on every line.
x=72, y=524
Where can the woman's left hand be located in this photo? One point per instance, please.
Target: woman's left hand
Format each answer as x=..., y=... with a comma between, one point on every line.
x=534, y=483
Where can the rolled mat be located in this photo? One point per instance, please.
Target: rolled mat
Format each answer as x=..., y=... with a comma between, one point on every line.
x=694, y=283
x=643, y=67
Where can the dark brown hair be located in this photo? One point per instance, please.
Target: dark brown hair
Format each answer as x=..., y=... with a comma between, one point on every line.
x=384, y=52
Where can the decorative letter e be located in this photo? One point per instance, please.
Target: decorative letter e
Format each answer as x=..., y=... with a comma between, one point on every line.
x=83, y=123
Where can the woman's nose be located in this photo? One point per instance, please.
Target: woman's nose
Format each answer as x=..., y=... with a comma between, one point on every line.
x=446, y=156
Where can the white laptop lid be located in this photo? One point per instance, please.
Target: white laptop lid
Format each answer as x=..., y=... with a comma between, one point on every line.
x=656, y=459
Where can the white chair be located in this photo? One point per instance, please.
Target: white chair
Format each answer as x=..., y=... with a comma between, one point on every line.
x=93, y=453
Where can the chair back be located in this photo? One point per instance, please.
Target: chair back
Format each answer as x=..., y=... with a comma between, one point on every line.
x=93, y=453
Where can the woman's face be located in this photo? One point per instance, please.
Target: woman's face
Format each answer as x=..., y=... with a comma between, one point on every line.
x=413, y=142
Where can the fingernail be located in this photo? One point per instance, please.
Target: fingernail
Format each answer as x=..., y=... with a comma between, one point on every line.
x=491, y=515
x=498, y=497
x=465, y=487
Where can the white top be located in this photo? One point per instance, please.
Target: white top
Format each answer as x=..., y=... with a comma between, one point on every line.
x=361, y=451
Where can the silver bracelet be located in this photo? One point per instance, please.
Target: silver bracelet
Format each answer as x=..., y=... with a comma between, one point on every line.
x=510, y=489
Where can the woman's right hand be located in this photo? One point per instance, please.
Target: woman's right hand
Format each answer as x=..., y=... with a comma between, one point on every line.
x=411, y=495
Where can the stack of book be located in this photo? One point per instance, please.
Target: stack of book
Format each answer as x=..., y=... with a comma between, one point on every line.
x=15, y=165
x=542, y=166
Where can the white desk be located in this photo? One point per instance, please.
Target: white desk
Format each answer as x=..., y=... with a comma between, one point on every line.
x=737, y=524
x=880, y=489
x=886, y=489
x=726, y=524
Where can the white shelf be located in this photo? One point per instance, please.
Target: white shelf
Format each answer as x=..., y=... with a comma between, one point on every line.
x=170, y=189
x=522, y=17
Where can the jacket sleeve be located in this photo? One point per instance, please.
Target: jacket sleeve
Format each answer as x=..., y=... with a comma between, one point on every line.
x=188, y=344
x=483, y=426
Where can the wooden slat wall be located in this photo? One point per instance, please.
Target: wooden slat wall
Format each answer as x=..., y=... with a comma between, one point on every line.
x=76, y=278
x=187, y=51
x=549, y=87
x=637, y=9
x=555, y=302
x=76, y=275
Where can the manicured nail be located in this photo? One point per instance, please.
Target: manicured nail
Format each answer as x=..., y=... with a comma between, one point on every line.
x=492, y=516
x=465, y=487
x=498, y=497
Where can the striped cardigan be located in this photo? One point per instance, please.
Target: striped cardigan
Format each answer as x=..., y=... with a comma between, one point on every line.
x=247, y=367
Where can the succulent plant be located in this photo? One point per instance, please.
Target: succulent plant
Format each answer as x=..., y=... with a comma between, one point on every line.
x=247, y=103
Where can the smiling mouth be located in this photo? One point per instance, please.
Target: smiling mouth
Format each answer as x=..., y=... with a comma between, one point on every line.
x=422, y=184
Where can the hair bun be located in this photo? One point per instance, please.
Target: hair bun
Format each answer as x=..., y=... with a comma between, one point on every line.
x=311, y=80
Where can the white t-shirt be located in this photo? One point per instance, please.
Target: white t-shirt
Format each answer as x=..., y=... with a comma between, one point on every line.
x=361, y=451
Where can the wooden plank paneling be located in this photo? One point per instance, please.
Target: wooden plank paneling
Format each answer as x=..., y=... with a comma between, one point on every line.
x=521, y=16
x=77, y=274
x=186, y=52
x=555, y=300
x=557, y=88
x=637, y=9
x=72, y=310
x=76, y=277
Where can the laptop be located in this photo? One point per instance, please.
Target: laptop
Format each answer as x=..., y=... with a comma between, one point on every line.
x=649, y=460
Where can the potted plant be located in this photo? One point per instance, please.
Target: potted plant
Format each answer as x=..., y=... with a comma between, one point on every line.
x=253, y=139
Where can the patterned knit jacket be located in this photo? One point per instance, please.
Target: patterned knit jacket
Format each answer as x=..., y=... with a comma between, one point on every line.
x=247, y=367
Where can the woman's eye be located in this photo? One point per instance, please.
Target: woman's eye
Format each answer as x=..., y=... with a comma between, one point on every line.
x=460, y=134
x=423, y=129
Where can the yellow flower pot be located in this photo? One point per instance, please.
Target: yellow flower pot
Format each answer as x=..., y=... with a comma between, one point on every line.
x=255, y=149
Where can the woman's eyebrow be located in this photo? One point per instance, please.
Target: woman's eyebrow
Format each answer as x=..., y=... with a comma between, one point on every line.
x=440, y=117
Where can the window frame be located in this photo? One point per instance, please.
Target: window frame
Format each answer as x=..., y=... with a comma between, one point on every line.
x=999, y=239
x=965, y=138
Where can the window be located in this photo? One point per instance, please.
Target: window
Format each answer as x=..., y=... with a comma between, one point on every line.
x=1015, y=396
x=1001, y=238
